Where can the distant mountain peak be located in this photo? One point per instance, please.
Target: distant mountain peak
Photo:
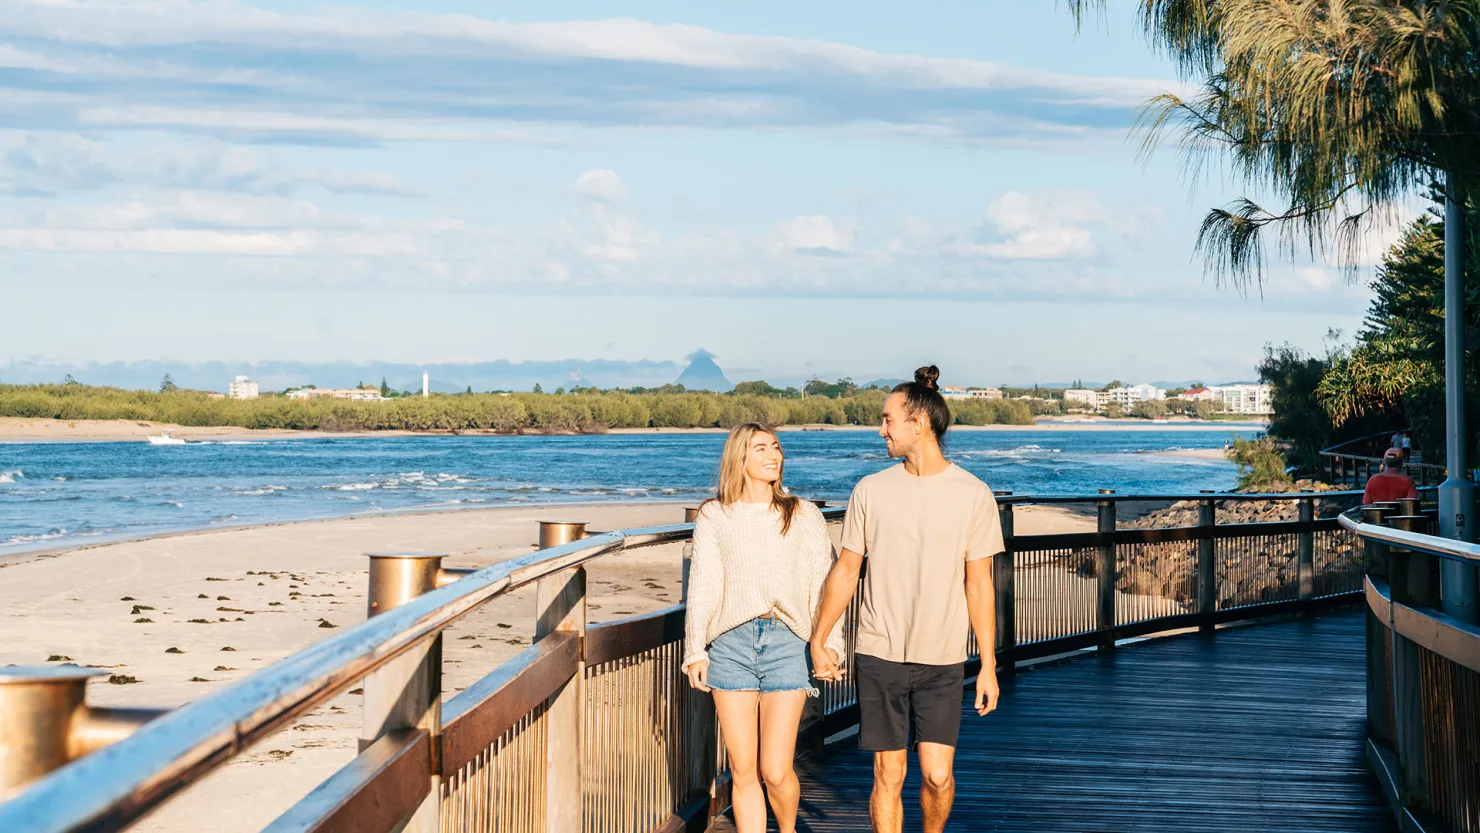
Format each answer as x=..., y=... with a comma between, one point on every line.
x=703, y=374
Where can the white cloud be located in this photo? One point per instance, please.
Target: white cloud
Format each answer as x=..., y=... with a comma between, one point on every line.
x=1051, y=225
x=45, y=163
x=602, y=184
x=1316, y=278
x=346, y=75
x=815, y=234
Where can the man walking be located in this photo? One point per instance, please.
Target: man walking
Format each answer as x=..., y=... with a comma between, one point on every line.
x=929, y=530
x=1391, y=483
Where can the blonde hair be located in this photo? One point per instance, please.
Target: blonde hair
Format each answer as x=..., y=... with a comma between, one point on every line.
x=731, y=487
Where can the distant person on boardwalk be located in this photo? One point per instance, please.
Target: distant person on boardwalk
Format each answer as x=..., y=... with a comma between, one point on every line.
x=1391, y=483
x=760, y=558
x=1403, y=444
x=929, y=530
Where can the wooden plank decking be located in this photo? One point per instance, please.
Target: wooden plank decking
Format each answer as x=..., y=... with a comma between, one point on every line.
x=1256, y=728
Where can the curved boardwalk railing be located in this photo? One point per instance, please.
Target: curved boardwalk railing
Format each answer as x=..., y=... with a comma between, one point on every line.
x=1352, y=462
x=593, y=728
x=1423, y=673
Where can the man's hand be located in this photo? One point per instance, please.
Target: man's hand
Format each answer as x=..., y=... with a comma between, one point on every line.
x=986, y=691
x=699, y=675
x=825, y=663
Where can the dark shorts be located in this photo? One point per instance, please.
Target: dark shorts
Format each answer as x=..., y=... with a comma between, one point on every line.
x=900, y=703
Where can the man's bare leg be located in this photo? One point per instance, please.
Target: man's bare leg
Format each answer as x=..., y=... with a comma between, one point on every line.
x=937, y=785
x=886, y=805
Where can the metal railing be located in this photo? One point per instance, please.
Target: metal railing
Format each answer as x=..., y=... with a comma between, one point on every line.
x=593, y=727
x=1352, y=462
x=1423, y=672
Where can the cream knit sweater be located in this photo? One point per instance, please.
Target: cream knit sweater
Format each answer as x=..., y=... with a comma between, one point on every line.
x=743, y=567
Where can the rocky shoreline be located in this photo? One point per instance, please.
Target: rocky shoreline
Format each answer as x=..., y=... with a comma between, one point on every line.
x=1250, y=570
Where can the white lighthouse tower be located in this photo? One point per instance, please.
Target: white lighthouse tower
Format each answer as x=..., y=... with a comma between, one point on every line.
x=426, y=380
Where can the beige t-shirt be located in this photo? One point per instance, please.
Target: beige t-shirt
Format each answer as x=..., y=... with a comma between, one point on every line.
x=918, y=534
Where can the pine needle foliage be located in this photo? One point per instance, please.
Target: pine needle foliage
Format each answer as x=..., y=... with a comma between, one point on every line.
x=1397, y=362
x=1340, y=108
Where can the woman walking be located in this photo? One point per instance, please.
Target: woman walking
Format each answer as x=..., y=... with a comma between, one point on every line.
x=760, y=559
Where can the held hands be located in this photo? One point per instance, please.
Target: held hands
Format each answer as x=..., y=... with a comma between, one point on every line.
x=699, y=675
x=825, y=663
x=986, y=691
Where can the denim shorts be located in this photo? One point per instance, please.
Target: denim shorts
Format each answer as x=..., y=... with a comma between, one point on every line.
x=761, y=655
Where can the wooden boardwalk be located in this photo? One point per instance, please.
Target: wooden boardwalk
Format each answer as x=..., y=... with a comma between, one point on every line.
x=1257, y=728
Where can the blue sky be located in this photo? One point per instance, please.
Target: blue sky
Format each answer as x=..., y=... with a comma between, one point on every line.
x=810, y=188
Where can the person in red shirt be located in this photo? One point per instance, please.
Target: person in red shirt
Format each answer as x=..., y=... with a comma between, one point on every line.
x=1391, y=483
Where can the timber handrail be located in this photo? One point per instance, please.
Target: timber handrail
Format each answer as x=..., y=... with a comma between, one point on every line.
x=1413, y=541
x=1341, y=466
x=1423, y=671
x=110, y=788
x=121, y=783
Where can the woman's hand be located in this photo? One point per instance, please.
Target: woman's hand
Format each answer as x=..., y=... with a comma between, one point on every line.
x=825, y=663
x=699, y=675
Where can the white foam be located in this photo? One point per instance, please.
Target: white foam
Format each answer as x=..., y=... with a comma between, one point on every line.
x=11, y=476
x=31, y=539
x=265, y=490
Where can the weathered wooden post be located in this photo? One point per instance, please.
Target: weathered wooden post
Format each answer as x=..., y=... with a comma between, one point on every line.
x=1374, y=554
x=560, y=606
x=1003, y=574
x=1379, y=639
x=1408, y=731
x=1305, y=548
x=1105, y=613
x=1412, y=572
x=406, y=693
x=701, y=727
x=1207, y=563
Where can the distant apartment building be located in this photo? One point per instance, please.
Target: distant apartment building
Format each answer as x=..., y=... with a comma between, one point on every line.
x=1254, y=400
x=1082, y=396
x=1125, y=397
x=1246, y=399
x=242, y=388
x=355, y=394
x=953, y=392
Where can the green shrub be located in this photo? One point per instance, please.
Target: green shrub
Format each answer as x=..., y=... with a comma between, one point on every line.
x=1261, y=465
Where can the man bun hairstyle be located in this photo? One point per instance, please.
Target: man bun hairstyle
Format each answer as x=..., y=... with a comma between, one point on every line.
x=922, y=396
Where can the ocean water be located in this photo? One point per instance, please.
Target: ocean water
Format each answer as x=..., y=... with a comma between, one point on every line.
x=60, y=494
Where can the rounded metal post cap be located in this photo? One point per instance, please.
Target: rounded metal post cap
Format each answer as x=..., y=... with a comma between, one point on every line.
x=405, y=555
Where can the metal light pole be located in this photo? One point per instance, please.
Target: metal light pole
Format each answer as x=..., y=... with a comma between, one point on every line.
x=1457, y=494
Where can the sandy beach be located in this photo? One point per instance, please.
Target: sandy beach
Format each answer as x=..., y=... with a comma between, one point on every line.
x=175, y=617
x=20, y=429
x=1195, y=453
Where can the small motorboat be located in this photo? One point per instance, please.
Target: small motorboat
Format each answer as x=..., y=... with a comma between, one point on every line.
x=166, y=438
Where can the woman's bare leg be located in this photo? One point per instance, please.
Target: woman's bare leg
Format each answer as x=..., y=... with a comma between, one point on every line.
x=738, y=721
x=781, y=714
